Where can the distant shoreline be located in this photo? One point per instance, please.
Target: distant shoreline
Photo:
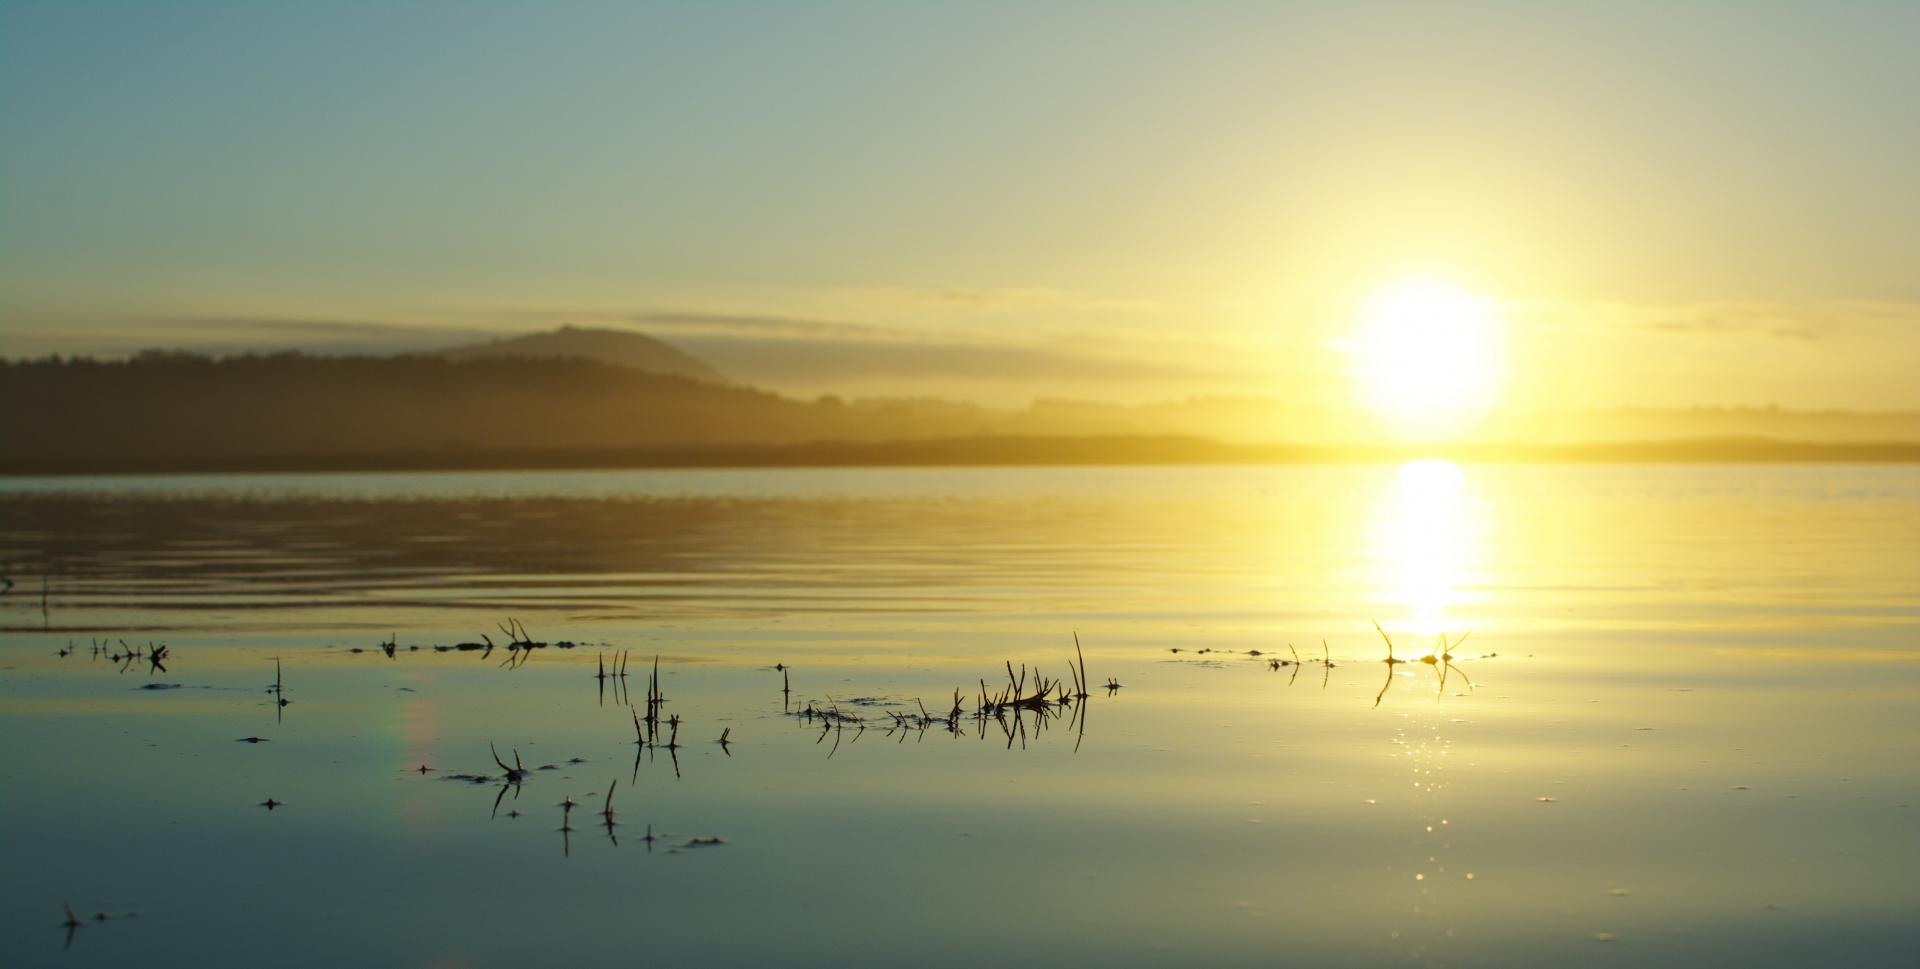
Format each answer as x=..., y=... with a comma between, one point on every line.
x=976, y=452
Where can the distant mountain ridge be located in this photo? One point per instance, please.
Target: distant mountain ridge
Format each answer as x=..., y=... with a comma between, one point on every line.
x=622, y=348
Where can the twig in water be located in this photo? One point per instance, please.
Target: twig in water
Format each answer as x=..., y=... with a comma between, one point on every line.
x=517, y=772
x=606, y=813
x=279, y=692
x=1295, y=663
x=654, y=697
x=1080, y=680
x=1444, y=659
x=1390, y=661
x=1383, y=635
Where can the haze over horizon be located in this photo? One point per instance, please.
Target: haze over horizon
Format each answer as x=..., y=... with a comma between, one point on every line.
x=1692, y=204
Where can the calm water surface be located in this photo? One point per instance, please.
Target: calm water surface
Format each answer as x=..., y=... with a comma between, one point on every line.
x=1680, y=731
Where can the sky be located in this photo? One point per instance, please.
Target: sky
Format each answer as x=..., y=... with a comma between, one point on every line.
x=1670, y=205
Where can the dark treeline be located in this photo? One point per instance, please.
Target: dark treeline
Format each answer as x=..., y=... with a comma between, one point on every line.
x=162, y=412
x=175, y=406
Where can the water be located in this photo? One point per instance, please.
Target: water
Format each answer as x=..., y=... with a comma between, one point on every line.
x=1679, y=731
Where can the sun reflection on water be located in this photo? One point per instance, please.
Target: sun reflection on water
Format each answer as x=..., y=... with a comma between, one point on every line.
x=1428, y=544
x=1426, y=534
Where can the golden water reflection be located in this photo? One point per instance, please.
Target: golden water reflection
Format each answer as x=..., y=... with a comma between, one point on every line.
x=1429, y=540
x=1611, y=775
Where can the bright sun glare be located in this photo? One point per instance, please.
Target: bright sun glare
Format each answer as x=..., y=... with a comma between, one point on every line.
x=1428, y=356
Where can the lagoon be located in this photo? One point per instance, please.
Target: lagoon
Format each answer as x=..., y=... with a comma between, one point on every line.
x=1676, y=725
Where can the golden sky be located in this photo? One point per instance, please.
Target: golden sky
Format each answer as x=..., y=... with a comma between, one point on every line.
x=1659, y=204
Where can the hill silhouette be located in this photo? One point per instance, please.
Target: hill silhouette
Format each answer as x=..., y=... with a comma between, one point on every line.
x=191, y=410
x=623, y=348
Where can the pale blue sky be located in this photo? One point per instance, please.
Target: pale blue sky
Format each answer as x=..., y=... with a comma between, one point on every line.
x=1119, y=200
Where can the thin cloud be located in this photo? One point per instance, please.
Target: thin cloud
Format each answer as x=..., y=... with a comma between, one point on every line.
x=1786, y=321
x=1794, y=322
x=814, y=362
x=227, y=335
x=764, y=326
x=990, y=298
x=280, y=328
x=1744, y=325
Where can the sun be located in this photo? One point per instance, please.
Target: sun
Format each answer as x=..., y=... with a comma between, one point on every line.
x=1428, y=357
